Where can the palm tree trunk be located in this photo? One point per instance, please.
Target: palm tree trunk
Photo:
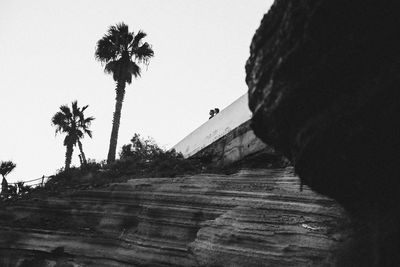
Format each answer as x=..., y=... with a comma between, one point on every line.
x=4, y=186
x=83, y=154
x=120, y=91
x=68, y=156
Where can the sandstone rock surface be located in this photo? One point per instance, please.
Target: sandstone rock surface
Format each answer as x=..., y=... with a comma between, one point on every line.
x=251, y=218
x=324, y=79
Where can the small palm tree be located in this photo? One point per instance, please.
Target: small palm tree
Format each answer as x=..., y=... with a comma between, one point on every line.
x=121, y=52
x=5, y=168
x=75, y=125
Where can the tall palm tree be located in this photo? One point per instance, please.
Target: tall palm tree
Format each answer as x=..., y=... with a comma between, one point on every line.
x=75, y=125
x=5, y=168
x=121, y=52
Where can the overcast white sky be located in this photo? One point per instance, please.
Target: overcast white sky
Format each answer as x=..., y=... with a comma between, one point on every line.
x=47, y=59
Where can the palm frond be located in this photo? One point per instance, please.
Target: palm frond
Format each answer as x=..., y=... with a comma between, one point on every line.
x=106, y=49
x=87, y=121
x=58, y=118
x=109, y=47
x=122, y=28
x=6, y=167
x=144, y=52
x=88, y=132
x=111, y=67
x=137, y=39
x=65, y=109
x=134, y=69
x=84, y=108
x=75, y=110
x=60, y=121
x=112, y=30
x=79, y=134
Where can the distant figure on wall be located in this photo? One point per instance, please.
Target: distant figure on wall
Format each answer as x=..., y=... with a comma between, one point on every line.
x=213, y=112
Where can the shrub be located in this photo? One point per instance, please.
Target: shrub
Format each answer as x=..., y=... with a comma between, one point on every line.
x=141, y=158
x=141, y=149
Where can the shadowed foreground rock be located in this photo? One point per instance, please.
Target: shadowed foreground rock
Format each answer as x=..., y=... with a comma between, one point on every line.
x=252, y=218
x=324, y=89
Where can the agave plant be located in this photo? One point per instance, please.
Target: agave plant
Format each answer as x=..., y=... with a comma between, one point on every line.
x=121, y=52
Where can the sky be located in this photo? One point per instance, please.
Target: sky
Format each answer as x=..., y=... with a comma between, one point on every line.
x=47, y=60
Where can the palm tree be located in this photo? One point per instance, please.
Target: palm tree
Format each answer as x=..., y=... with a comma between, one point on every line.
x=121, y=52
x=75, y=125
x=5, y=168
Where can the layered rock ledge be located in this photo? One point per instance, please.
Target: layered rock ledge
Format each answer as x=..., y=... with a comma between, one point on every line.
x=251, y=218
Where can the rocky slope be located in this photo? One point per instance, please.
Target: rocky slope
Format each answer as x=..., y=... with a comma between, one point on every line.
x=324, y=79
x=251, y=218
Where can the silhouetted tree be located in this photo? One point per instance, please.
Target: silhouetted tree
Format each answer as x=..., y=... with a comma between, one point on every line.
x=73, y=123
x=140, y=149
x=121, y=51
x=5, y=168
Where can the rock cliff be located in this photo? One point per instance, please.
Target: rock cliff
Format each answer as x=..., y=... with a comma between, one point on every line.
x=251, y=218
x=324, y=79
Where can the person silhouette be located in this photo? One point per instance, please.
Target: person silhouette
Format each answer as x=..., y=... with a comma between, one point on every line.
x=212, y=113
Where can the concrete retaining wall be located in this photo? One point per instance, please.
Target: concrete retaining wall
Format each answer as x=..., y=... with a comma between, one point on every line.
x=224, y=122
x=238, y=144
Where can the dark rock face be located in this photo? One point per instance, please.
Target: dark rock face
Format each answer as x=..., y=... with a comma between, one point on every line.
x=324, y=88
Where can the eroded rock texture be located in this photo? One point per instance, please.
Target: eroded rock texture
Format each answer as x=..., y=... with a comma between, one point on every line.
x=324, y=88
x=252, y=218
